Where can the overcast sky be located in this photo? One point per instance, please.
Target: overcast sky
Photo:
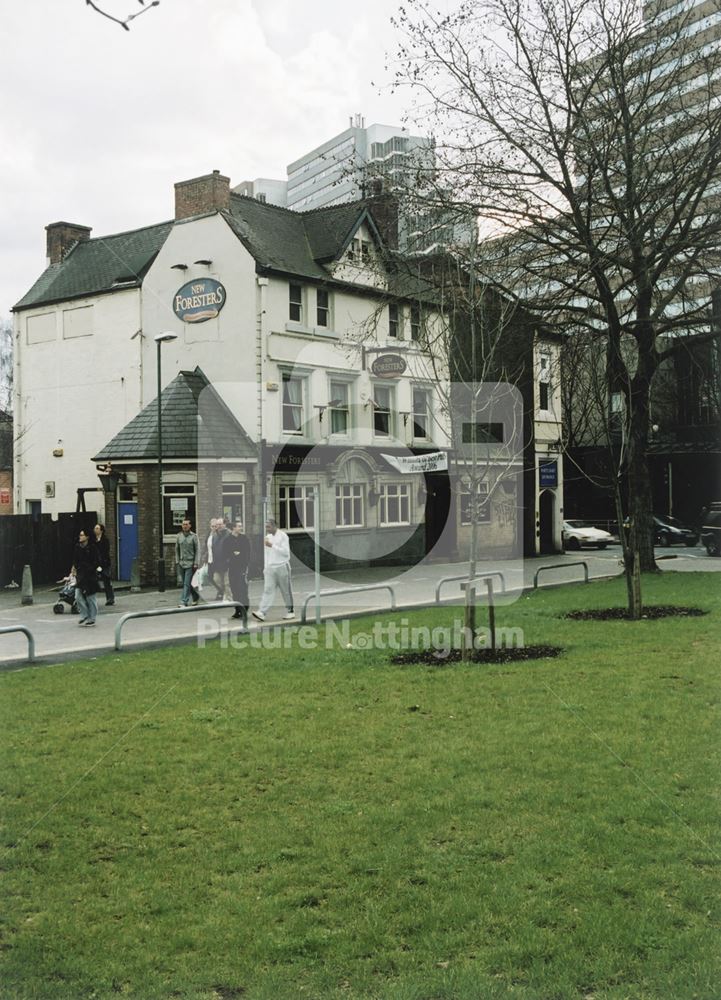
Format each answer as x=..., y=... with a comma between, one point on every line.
x=98, y=123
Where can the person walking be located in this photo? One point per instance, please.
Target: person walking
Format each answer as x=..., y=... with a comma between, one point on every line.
x=187, y=558
x=103, y=546
x=237, y=551
x=220, y=561
x=209, y=555
x=276, y=574
x=85, y=569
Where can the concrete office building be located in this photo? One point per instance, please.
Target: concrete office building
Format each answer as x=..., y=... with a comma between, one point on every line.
x=342, y=168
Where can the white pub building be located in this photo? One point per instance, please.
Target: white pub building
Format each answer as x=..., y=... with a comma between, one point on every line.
x=294, y=385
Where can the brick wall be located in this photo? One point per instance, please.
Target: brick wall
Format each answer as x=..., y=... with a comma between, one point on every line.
x=210, y=193
x=61, y=236
x=6, y=489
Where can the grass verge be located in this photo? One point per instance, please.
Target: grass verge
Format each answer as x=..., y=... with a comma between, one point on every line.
x=279, y=823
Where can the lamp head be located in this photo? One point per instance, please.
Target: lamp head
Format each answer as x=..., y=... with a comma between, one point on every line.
x=162, y=338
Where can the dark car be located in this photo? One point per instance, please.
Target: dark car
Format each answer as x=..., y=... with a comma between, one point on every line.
x=668, y=531
x=711, y=529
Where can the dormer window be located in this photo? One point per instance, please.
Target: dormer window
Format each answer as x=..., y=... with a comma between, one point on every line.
x=359, y=251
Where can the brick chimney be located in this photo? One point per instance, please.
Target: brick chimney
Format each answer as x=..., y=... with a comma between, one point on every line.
x=384, y=209
x=210, y=193
x=61, y=236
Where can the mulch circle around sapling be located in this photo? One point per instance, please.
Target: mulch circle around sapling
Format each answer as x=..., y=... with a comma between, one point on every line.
x=623, y=614
x=514, y=654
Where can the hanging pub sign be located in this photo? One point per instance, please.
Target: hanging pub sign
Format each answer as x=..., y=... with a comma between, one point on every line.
x=547, y=474
x=199, y=300
x=388, y=366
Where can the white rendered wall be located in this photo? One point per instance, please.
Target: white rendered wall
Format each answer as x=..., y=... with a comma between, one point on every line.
x=72, y=392
x=224, y=347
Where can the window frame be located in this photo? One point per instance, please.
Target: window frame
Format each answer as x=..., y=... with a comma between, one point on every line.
x=416, y=323
x=427, y=415
x=378, y=411
x=234, y=489
x=294, y=303
x=284, y=503
x=287, y=377
x=403, y=498
x=346, y=409
x=323, y=310
x=544, y=383
x=189, y=490
x=354, y=500
x=394, y=321
x=464, y=501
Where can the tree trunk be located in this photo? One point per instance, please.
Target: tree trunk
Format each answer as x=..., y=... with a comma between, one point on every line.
x=640, y=494
x=469, y=623
x=630, y=559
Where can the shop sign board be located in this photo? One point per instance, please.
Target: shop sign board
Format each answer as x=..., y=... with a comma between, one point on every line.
x=388, y=366
x=199, y=300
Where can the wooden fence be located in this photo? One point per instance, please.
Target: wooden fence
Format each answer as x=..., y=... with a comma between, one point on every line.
x=46, y=545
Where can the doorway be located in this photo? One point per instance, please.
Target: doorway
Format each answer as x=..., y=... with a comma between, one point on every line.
x=127, y=537
x=439, y=519
x=547, y=518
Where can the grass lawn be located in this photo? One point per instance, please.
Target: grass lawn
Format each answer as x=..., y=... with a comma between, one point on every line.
x=217, y=823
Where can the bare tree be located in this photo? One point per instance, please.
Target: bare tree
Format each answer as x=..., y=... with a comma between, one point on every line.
x=589, y=141
x=6, y=365
x=124, y=22
x=474, y=346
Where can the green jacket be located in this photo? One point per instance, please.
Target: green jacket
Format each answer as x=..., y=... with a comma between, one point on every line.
x=187, y=550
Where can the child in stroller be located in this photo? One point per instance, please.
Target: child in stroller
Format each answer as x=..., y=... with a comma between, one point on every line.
x=66, y=595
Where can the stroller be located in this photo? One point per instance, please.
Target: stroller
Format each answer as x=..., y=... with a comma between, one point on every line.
x=66, y=595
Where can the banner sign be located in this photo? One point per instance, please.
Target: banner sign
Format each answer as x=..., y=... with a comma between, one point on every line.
x=436, y=461
x=199, y=300
x=388, y=366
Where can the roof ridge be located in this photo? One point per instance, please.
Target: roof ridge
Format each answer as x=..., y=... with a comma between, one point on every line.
x=266, y=205
x=125, y=232
x=330, y=208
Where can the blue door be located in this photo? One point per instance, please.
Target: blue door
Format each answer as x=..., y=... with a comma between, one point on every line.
x=127, y=537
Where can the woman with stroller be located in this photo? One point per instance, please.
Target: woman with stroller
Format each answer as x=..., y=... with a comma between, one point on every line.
x=85, y=569
x=103, y=546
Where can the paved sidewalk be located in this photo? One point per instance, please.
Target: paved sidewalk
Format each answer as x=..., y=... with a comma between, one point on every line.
x=59, y=637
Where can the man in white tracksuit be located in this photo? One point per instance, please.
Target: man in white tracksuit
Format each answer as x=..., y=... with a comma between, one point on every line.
x=276, y=573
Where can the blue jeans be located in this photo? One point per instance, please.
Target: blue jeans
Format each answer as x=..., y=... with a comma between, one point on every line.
x=188, y=590
x=87, y=605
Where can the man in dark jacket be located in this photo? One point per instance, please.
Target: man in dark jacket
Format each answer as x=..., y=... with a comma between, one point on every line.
x=220, y=561
x=85, y=569
x=236, y=549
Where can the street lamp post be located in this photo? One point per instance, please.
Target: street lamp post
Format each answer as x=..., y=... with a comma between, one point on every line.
x=160, y=339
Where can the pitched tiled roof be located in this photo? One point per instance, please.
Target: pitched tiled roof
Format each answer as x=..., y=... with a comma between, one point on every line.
x=99, y=265
x=280, y=239
x=196, y=424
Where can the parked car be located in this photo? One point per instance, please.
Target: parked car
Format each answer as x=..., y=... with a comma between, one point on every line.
x=711, y=529
x=668, y=531
x=576, y=534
